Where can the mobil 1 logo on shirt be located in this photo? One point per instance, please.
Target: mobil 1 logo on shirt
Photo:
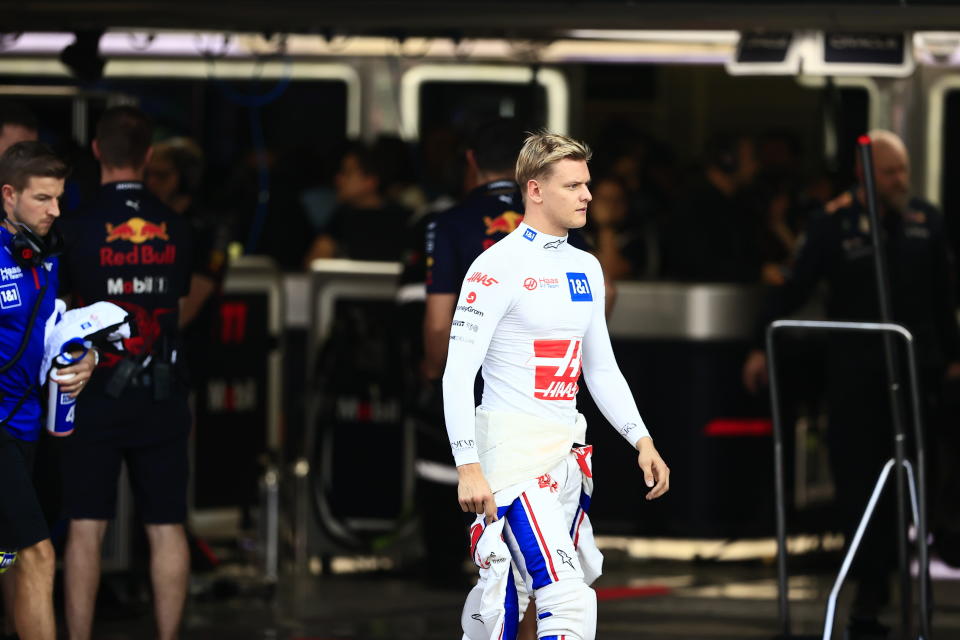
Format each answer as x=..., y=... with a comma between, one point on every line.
x=579, y=287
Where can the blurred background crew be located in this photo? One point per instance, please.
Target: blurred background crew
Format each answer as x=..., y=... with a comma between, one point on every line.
x=174, y=174
x=713, y=236
x=837, y=250
x=613, y=231
x=491, y=209
x=365, y=225
x=17, y=124
x=130, y=249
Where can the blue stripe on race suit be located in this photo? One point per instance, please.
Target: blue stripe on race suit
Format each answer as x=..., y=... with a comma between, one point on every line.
x=584, y=501
x=573, y=525
x=511, y=610
x=545, y=614
x=527, y=541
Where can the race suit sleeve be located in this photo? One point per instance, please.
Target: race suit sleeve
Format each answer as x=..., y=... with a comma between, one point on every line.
x=479, y=309
x=608, y=387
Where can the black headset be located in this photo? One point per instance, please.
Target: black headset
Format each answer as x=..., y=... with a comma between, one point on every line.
x=30, y=250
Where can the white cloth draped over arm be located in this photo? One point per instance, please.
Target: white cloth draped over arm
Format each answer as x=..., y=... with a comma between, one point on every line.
x=608, y=388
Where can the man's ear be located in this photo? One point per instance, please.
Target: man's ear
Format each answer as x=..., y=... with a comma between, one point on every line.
x=95, y=146
x=533, y=192
x=7, y=192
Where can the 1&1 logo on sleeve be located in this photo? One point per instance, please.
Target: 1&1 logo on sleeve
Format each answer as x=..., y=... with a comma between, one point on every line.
x=579, y=287
x=9, y=296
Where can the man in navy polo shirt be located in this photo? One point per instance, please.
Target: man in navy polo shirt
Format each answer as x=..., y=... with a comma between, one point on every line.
x=32, y=178
x=129, y=249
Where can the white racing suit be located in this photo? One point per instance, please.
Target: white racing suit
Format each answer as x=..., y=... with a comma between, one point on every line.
x=531, y=314
x=527, y=550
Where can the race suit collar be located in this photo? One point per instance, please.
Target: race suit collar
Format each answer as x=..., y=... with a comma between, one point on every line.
x=540, y=239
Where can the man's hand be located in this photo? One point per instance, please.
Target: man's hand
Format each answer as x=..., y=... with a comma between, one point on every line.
x=80, y=372
x=656, y=474
x=473, y=492
x=755, y=371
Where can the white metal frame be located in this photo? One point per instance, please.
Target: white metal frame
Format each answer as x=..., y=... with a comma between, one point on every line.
x=936, y=117
x=200, y=68
x=553, y=82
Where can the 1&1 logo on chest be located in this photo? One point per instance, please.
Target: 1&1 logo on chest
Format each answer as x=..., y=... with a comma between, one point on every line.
x=579, y=287
x=9, y=296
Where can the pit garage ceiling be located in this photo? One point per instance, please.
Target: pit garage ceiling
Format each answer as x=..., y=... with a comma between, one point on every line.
x=474, y=18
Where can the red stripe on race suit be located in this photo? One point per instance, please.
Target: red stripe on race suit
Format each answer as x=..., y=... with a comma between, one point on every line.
x=475, y=532
x=543, y=543
x=576, y=538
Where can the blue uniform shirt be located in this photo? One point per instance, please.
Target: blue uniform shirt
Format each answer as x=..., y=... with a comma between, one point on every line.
x=19, y=290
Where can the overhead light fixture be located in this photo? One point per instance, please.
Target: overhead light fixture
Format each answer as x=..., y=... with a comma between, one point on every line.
x=656, y=35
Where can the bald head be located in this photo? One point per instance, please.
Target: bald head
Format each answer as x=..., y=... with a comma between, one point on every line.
x=891, y=169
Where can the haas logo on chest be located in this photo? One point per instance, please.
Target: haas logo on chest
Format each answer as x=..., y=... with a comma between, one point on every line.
x=557, y=369
x=482, y=278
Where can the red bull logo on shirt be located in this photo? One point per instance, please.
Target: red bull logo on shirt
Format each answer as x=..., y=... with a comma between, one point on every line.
x=557, y=369
x=137, y=231
x=143, y=254
x=506, y=222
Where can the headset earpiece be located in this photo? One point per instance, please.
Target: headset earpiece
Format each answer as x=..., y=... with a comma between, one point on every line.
x=30, y=250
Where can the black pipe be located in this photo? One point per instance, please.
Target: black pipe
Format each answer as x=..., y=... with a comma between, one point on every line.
x=783, y=577
x=893, y=376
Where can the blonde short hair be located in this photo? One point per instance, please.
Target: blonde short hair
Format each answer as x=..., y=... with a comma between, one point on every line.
x=541, y=150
